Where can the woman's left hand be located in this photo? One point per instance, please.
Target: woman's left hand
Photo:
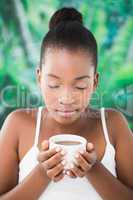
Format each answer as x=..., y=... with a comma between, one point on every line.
x=85, y=161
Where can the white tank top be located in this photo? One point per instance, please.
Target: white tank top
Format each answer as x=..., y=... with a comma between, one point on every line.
x=67, y=188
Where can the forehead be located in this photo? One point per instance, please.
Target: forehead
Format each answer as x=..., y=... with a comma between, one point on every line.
x=67, y=63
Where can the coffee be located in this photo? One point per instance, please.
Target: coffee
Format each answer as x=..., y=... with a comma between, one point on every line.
x=68, y=142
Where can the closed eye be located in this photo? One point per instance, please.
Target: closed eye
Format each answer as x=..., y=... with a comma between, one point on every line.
x=53, y=86
x=79, y=88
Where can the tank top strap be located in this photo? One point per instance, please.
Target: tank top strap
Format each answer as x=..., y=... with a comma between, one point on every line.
x=104, y=125
x=38, y=123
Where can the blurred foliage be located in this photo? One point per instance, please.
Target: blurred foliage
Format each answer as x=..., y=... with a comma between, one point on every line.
x=23, y=24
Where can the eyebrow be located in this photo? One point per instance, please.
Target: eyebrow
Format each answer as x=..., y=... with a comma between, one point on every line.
x=77, y=78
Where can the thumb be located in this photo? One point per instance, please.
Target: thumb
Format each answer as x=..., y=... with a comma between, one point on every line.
x=45, y=145
x=90, y=146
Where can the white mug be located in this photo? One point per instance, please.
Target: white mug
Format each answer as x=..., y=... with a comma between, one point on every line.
x=70, y=143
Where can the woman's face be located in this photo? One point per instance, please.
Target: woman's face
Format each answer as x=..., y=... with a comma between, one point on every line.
x=67, y=82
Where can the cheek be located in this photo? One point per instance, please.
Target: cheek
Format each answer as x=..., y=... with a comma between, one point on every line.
x=51, y=96
x=85, y=97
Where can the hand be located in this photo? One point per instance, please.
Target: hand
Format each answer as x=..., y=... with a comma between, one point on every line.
x=85, y=162
x=52, y=161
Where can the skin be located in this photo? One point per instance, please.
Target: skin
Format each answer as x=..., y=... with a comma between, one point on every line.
x=86, y=122
x=66, y=93
x=69, y=89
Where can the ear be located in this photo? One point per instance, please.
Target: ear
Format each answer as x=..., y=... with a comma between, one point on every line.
x=96, y=80
x=38, y=75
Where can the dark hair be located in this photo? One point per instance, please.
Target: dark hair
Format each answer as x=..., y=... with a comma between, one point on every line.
x=66, y=30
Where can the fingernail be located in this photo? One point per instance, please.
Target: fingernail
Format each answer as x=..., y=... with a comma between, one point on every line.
x=90, y=145
x=71, y=165
x=44, y=142
x=63, y=152
x=63, y=162
x=68, y=173
x=58, y=149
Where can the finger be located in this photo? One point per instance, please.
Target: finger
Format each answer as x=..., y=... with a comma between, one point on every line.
x=54, y=160
x=71, y=174
x=90, y=157
x=45, y=155
x=45, y=145
x=90, y=147
x=82, y=162
x=56, y=170
x=59, y=177
x=77, y=171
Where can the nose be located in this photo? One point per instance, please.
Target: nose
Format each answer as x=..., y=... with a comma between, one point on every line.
x=66, y=98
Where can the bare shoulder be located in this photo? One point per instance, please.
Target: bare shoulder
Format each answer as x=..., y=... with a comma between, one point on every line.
x=12, y=128
x=114, y=114
x=124, y=143
x=118, y=123
x=18, y=114
x=15, y=125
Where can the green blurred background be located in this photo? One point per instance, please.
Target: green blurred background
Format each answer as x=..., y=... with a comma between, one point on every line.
x=23, y=23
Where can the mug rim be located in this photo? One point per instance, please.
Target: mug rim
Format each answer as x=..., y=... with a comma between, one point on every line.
x=68, y=137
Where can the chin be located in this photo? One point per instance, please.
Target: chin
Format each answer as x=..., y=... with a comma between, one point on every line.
x=66, y=120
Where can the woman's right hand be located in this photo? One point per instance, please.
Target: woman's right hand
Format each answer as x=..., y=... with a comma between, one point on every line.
x=52, y=161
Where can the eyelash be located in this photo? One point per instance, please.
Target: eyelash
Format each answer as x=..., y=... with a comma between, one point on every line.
x=58, y=86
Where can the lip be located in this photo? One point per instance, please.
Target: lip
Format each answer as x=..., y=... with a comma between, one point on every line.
x=66, y=110
x=66, y=113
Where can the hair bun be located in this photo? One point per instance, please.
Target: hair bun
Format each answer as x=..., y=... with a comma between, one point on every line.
x=65, y=15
